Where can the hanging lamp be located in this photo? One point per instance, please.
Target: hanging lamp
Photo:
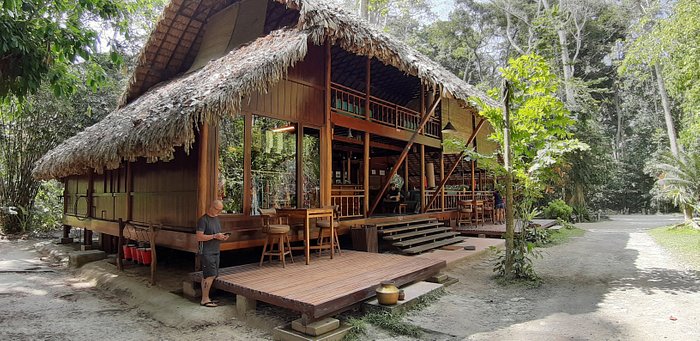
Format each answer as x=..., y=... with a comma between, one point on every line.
x=449, y=128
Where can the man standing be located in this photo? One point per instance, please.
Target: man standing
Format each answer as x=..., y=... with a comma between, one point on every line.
x=209, y=237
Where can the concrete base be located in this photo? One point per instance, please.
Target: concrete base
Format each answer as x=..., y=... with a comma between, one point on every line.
x=245, y=305
x=555, y=228
x=286, y=333
x=412, y=293
x=439, y=278
x=191, y=289
x=316, y=328
x=85, y=247
x=470, y=247
x=65, y=241
x=80, y=258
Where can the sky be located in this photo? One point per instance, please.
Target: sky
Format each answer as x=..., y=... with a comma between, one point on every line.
x=442, y=8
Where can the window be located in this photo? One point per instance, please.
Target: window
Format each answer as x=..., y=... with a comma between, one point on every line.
x=273, y=157
x=231, y=153
x=312, y=168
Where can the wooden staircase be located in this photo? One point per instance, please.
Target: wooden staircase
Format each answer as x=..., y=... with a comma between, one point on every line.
x=418, y=235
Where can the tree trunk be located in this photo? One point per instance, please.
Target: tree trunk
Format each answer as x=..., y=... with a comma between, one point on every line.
x=673, y=141
x=509, y=182
x=364, y=9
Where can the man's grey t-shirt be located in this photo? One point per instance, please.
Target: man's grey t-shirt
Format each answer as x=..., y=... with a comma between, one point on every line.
x=209, y=225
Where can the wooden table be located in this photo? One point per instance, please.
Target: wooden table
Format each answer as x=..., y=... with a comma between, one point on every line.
x=307, y=214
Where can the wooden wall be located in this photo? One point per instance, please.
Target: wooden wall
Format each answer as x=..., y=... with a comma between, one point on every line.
x=162, y=193
x=299, y=98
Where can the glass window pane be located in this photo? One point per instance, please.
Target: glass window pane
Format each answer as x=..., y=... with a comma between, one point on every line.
x=231, y=153
x=273, y=156
x=312, y=168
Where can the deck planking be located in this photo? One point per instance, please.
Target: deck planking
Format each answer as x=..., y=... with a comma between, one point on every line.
x=325, y=286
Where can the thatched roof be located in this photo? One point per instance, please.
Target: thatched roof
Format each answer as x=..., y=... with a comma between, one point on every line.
x=154, y=119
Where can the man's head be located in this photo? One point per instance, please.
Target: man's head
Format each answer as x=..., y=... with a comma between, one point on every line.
x=215, y=208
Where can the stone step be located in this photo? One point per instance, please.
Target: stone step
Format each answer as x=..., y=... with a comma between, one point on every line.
x=435, y=245
x=412, y=294
x=428, y=238
x=423, y=232
x=402, y=222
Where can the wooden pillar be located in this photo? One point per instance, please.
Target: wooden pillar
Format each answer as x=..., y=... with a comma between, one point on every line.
x=300, y=165
x=90, y=194
x=203, y=176
x=473, y=181
x=326, y=138
x=365, y=183
x=405, y=174
x=442, y=178
x=247, y=165
x=368, y=84
x=422, y=179
x=129, y=192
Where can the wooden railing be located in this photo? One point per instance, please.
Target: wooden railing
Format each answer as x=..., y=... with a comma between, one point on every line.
x=452, y=198
x=350, y=199
x=352, y=102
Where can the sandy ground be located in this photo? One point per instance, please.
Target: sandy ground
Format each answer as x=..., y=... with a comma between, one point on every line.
x=614, y=283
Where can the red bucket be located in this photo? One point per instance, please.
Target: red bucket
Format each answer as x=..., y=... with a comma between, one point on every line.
x=139, y=255
x=146, y=255
x=127, y=252
x=134, y=252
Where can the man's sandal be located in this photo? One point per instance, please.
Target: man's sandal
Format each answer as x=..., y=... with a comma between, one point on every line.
x=209, y=304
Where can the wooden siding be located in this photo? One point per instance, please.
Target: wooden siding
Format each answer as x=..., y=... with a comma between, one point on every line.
x=166, y=192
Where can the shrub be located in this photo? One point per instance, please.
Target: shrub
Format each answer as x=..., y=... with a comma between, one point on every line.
x=558, y=209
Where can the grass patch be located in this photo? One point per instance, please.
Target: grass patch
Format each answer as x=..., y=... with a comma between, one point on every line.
x=563, y=235
x=682, y=241
x=392, y=323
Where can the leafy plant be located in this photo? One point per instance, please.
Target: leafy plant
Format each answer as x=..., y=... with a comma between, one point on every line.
x=522, y=254
x=536, y=235
x=558, y=209
x=678, y=180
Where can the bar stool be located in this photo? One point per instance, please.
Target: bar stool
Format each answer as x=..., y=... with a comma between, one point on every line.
x=324, y=225
x=275, y=231
x=464, y=214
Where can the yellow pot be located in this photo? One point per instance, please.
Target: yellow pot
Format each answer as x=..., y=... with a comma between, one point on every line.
x=387, y=293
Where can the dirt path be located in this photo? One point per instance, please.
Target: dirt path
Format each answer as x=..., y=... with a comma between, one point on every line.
x=613, y=283
x=42, y=300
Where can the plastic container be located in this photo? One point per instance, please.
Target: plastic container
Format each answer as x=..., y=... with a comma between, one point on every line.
x=146, y=256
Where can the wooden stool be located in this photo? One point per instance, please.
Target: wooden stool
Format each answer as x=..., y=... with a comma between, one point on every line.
x=402, y=208
x=281, y=234
x=479, y=212
x=464, y=214
x=489, y=212
x=278, y=233
x=326, y=225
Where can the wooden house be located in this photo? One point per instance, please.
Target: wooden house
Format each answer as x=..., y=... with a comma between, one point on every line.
x=269, y=104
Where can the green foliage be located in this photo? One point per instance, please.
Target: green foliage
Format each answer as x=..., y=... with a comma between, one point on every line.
x=558, y=209
x=41, y=39
x=682, y=241
x=537, y=235
x=523, y=254
x=393, y=323
x=48, y=207
x=678, y=178
x=563, y=235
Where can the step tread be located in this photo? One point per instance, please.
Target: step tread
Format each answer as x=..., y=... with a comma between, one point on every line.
x=435, y=245
x=403, y=222
x=432, y=237
x=417, y=233
x=409, y=227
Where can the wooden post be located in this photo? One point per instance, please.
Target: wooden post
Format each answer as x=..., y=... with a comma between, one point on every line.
x=120, y=242
x=441, y=190
x=129, y=192
x=300, y=166
x=202, y=169
x=404, y=153
x=405, y=174
x=368, y=84
x=152, y=241
x=422, y=179
x=326, y=138
x=365, y=182
x=247, y=165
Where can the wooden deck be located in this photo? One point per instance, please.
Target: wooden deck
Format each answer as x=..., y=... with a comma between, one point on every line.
x=326, y=286
x=499, y=230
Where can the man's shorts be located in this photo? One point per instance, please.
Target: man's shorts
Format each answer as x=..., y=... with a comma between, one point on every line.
x=209, y=264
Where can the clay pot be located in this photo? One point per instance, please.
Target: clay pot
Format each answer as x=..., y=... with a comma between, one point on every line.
x=388, y=293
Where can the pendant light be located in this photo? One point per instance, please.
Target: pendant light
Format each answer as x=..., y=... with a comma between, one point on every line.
x=449, y=128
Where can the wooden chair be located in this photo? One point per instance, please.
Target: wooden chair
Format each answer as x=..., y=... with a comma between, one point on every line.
x=277, y=231
x=325, y=225
x=489, y=211
x=478, y=212
x=464, y=213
